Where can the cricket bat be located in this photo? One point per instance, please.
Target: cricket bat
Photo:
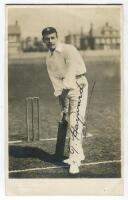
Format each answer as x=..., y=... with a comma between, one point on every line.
x=61, y=138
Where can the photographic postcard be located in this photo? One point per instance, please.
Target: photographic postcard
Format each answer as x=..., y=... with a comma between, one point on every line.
x=64, y=78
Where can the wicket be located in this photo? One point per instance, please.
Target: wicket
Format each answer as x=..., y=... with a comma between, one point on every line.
x=30, y=118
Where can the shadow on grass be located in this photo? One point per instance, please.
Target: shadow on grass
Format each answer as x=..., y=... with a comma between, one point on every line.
x=34, y=152
x=110, y=170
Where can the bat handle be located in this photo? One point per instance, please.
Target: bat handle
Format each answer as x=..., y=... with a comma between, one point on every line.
x=64, y=116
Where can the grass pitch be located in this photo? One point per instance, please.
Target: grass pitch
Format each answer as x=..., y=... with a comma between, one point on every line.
x=103, y=122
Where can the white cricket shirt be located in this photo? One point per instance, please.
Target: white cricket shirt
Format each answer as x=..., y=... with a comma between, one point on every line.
x=63, y=66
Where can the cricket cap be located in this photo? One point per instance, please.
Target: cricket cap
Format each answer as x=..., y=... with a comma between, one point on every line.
x=48, y=30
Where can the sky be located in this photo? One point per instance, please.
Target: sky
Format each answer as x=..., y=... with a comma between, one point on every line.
x=67, y=19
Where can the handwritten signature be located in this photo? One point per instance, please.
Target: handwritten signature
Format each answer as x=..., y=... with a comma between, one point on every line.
x=74, y=130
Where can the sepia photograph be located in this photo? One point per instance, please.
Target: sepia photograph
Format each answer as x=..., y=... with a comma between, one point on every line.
x=64, y=92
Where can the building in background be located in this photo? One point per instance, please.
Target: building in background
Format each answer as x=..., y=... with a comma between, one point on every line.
x=75, y=39
x=14, y=39
x=30, y=44
x=105, y=37
x=16, y=44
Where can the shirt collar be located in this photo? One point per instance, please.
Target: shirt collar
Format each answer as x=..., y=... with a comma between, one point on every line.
x=58, y=48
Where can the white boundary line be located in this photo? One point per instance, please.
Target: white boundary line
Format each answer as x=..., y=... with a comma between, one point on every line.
x=16, y=141
x=46, y=139
x=62, y=166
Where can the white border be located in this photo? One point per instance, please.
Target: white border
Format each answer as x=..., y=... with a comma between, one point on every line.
x=2, y=74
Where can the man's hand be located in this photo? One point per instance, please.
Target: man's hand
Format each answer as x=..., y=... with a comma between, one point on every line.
x=63, y=116
x=65, y=93
x=62, y=97
x=64, y=103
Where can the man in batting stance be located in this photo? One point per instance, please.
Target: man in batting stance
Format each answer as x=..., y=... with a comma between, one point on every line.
x=67, y=71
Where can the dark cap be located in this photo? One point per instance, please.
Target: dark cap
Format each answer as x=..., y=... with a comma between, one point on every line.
x=48, y=30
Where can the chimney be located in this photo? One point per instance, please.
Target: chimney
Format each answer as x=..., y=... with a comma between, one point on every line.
x=91, y=30
x=82, y=31
x=107, y=24
x=16, y=23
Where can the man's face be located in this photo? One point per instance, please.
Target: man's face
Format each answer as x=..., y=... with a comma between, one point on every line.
x=51, y=41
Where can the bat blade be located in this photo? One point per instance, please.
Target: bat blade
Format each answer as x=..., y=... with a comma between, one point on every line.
x=61, y=138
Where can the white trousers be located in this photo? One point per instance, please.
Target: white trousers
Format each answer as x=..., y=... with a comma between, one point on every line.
x=75, y=106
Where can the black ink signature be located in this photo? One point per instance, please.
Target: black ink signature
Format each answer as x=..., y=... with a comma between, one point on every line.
x=74, y=130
